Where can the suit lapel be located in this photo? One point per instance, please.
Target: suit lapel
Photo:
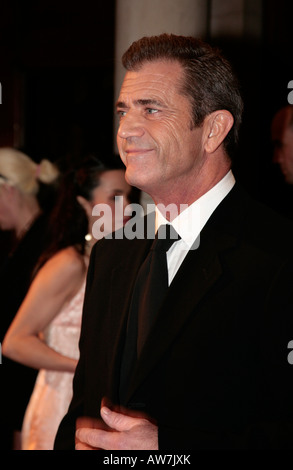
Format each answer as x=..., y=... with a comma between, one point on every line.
x=124, y=276
x=198, y=273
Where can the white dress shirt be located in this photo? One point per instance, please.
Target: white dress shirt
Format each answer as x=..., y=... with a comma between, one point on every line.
x=189, y=223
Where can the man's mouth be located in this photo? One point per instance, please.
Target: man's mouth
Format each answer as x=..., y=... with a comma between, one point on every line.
x=136, y=151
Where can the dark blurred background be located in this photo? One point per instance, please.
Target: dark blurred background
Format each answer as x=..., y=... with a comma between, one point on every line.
x=56, y=70
x=57, y=76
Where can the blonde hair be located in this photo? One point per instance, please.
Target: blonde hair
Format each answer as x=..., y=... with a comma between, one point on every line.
x=19, y=170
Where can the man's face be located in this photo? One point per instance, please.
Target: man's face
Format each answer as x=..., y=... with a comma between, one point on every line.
x=156, y=140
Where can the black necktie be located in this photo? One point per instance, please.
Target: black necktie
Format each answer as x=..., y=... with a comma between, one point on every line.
x=150, y=288
x=152, y=282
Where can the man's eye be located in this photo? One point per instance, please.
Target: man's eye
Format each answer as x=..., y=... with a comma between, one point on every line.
x=121, y=113
x=151, y=110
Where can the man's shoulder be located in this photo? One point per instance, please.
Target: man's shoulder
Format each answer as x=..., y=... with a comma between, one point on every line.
x=268, y=218
x=244, y=217
x=135, y=233
x=129, y=242
x=271, y=230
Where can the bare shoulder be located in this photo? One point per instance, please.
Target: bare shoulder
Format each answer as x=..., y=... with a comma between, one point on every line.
x=67, y=263
x=70, y=257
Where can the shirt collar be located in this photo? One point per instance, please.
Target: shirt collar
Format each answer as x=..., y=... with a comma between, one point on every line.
x=189, y=223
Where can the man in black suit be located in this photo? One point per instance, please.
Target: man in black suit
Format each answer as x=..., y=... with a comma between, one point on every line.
x=213, y=372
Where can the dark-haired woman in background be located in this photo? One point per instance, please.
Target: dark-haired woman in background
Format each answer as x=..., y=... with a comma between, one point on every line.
x=45, y=331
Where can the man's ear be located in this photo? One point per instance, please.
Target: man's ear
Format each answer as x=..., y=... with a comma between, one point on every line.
x=85, y=204
x=216, y=127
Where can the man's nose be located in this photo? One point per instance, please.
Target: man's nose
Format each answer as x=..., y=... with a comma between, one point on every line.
x=130, y=126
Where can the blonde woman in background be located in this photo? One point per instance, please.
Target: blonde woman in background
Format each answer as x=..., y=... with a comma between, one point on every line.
x=27, y=191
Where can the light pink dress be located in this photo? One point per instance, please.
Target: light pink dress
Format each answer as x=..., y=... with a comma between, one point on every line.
x=53, y=389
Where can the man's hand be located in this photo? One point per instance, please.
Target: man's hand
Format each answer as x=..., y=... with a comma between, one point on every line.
x=116, y=431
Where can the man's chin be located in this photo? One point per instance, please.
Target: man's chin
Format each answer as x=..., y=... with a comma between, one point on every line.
x=134, y=178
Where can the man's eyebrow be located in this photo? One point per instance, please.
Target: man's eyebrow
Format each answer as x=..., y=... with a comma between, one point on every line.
x=141, y=102
x=120, y=104
x=149, y=102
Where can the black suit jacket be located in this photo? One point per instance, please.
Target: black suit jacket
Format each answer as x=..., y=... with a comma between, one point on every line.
x=214, y=373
